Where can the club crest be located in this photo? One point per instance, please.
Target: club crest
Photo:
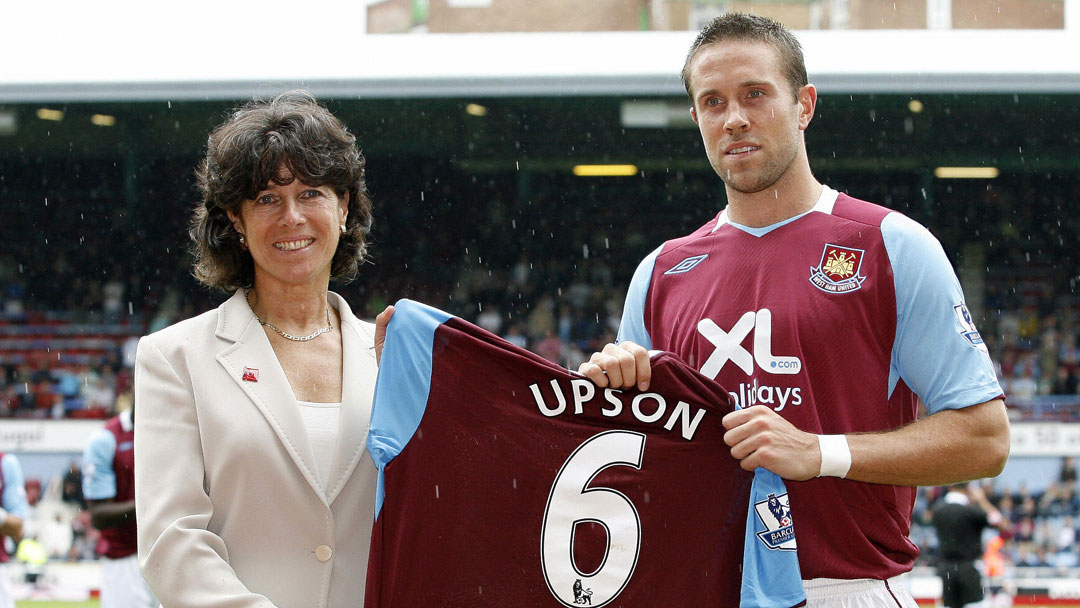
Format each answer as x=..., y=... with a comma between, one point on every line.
x=775, y=514
x=838, y=270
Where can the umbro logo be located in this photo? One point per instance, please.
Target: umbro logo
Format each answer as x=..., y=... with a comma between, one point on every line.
x=687, y=265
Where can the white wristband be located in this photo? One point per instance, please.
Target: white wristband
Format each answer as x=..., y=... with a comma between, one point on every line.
x=835, y=456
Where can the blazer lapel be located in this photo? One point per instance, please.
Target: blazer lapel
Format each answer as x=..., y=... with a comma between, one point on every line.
x=251, y=363
x=357, y=387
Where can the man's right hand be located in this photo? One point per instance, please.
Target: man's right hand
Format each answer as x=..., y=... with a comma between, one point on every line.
x=622, y=365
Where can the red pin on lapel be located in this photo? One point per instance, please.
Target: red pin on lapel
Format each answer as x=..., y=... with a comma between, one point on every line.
x=250, y=375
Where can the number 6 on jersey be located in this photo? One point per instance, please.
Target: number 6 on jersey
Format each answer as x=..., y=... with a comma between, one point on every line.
x=572, y=502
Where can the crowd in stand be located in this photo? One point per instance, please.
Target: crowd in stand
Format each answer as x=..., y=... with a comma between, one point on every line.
x=1036, y=352
x=1038, y=529
x=547, y=273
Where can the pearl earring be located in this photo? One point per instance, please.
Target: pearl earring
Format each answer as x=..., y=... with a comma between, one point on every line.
x=343, y=229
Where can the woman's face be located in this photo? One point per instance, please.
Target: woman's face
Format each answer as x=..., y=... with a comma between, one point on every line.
x=292, y=231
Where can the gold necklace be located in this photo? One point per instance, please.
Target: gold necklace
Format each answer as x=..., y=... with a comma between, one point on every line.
x=288, y=336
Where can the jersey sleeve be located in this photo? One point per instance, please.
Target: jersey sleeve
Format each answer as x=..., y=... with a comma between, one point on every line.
x=632, y=326
x=403, y=384
x=14, y=499
x=937, y=351
x=771, y=575
x=98, y=477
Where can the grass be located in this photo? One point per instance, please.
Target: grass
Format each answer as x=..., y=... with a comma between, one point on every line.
x=56, y=604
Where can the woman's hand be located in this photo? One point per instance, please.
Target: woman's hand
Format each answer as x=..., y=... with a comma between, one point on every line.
x=381, y=322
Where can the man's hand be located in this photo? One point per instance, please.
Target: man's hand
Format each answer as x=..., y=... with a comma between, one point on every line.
x=381, y=322
x=759, y=437
x=622, y=365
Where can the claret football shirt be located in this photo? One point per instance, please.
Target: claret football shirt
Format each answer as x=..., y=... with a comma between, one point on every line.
x=508, y=480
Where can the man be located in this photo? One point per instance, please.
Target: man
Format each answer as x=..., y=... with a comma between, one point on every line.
x=959, y=525
x=836, y=314
x=109, y=489
x=14, y=510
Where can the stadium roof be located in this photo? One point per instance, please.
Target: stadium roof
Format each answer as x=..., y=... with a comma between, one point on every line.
x=86, y=55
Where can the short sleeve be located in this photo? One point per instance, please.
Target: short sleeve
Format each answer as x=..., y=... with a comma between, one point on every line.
x=937, y=352
x=98, y=477
x=632, y=326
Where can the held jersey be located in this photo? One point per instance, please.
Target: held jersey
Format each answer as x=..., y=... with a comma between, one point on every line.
x=109, y=473
x=506, y=480
x=838, y=319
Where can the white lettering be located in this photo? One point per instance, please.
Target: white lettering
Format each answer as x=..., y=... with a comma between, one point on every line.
x=635, y=407
x=728, y=346
x=609, y=396
x=783, y=394
x=584, y=390
x=688, y=426
x=544, y=409
x=648, y=408
x=750, y=394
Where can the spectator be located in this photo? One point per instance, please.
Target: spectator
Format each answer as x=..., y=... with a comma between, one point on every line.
x=1068, y=470
x=14, y=511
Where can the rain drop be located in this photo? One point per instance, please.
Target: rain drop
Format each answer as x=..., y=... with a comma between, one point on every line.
x=436, y=491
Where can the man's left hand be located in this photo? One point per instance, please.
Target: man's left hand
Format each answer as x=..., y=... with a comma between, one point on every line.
x=759, y=437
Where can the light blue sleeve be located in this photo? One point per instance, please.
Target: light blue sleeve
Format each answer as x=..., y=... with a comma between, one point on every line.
x=13, y=499
x=937, y=351
x=771, y=575
x=632, y=325
x=98, y=477
x=403, y=384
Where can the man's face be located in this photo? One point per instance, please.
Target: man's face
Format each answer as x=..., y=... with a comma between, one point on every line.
x=750, y=120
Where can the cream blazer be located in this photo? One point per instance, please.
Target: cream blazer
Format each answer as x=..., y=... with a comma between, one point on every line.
x=227, y=501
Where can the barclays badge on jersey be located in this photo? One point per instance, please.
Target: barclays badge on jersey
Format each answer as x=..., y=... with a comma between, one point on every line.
x=967, y=327
x=687, y=265
x=775, y=514
x=838, y=270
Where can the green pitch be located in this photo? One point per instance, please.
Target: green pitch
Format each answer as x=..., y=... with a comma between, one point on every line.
x=54, y=604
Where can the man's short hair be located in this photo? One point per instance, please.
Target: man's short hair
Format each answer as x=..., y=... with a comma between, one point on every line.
x=744, y=27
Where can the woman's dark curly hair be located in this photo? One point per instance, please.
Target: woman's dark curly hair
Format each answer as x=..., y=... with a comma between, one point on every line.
x=245, y=153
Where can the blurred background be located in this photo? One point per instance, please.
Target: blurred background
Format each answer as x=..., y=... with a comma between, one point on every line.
x=523, y=156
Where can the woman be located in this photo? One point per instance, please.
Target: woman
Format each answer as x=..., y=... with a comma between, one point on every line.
x=253, y=484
